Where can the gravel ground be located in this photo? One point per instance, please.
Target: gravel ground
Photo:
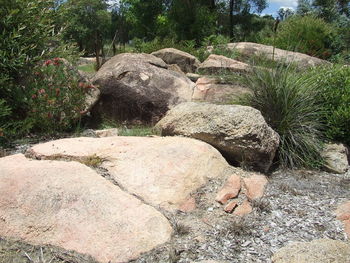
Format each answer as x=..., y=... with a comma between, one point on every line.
x=297, y=206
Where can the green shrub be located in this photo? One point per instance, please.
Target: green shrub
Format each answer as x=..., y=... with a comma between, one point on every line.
x=289, y=105
x=305, y=34
x=57, y=97
x=333, y=83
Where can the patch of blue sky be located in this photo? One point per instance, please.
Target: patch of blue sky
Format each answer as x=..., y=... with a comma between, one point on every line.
x=275, y=5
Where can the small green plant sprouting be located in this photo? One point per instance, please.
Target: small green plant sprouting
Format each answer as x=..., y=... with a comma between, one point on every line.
x=92, y=161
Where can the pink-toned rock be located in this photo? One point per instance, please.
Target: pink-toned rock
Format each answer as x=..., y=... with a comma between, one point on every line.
x=248, y=50
x=216, y=64
x=69, y=205
x=255, y=185
x=230, y=189
x=243, y=209
x=189, y=205
x=343, y=214
x=163, y=171
x=230, y=206
x=212, y=90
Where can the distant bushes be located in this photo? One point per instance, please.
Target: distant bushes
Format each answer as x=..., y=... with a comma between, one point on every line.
x=305, y=34
x=333, y=84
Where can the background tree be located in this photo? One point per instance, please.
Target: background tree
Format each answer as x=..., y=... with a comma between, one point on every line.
x=87, y=22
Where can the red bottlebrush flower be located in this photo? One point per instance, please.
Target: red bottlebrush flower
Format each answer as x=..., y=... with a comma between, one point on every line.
x=47, y=62
x=34, y=96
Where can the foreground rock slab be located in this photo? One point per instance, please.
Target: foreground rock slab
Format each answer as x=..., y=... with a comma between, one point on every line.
x=249, y=50
x=239, y=132
x=67, y=204
x=161, y=171
x=185, y=61
x=317, y=251
x=139, y=87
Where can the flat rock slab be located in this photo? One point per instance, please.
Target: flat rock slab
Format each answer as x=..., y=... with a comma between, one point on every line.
x=250, y=50
x=217, y=64
x=317, y=251
x=161, y=171
x=67, y=204
x=214, y=91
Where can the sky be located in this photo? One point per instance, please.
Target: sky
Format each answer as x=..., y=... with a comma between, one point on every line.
x=275, y=5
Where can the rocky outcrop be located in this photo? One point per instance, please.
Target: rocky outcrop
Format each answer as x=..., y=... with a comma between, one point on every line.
x=139, y=86
x=317, y=251
x=69, y=205
x=248, y=50
x=214, y=90
x=335, y=157
x=185, y=61
x=217, y=64
x=239, y=132
x=161, y=171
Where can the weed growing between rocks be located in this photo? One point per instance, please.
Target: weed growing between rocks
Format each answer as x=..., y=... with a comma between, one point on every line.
x=92, y=161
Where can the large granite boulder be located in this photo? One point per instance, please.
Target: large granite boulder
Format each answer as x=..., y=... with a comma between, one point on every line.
x=240, y=133
x=185, y=61
x=69, y=205
x=217, y=64
x=316, y=251
x=249, y=50
x=161, y=171
x=139, y=86
x=335, y=157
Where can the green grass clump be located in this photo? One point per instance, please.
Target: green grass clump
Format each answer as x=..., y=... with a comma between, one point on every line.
x=88, y=68
x=333, y=83
x=128, y=130
x=289, y=105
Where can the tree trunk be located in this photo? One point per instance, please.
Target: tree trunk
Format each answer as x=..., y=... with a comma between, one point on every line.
x=231, y=18
x=114, y=49
x=97, y=51
x=212, y=4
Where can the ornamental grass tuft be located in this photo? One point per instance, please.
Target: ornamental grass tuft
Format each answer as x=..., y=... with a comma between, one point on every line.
x=288, y=103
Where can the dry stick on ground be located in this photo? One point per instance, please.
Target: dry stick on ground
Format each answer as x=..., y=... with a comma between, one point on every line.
x=41, y=259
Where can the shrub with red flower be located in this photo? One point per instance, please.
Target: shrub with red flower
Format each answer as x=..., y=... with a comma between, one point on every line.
x=56, y=102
